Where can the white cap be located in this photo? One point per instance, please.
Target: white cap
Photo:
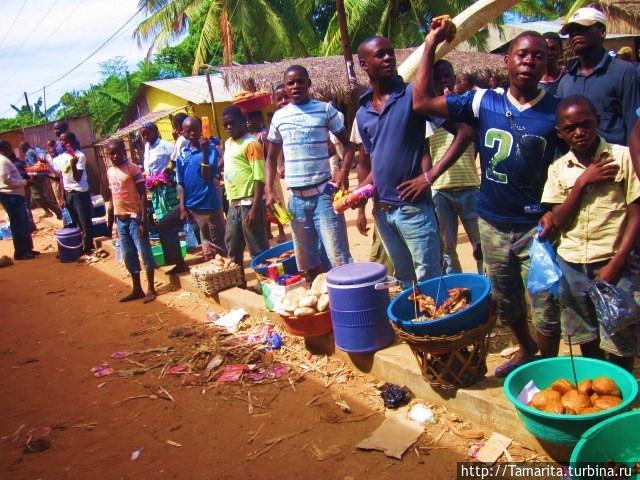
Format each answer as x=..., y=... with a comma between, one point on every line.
x=586, y=17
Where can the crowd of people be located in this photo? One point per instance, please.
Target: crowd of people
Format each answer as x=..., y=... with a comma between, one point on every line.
x=559, y=154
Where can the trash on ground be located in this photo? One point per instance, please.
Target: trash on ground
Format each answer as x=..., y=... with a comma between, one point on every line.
x=394, y=396
x=232, y=319
x=232, y=373
x=394, y=436
x=422, y=414
x=37, y=445
x=493, y=448
x=135, y=455
x=102, y=370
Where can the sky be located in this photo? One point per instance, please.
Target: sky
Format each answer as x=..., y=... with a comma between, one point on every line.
x=43, y=39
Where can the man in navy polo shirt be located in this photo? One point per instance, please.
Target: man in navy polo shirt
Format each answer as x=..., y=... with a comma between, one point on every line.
x=393, y=137
x=611, y=84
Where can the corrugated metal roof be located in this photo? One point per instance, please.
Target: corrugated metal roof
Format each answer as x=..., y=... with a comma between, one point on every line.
x=194, y=89
x=132, y=127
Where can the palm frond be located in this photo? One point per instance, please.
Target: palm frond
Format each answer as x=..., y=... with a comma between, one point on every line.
x=210, y=34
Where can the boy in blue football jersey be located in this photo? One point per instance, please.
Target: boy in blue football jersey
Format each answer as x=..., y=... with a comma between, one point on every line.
x=516, y=140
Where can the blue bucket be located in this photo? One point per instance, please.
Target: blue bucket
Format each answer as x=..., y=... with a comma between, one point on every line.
x=289, y=264
x=358, y=299
x=402, y=310
x=69, y=244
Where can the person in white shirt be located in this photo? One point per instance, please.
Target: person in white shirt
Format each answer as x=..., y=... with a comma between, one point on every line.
x=178, y=137
x=158, y=156
x=12, y=199
x=71, y=167
x=157, y=152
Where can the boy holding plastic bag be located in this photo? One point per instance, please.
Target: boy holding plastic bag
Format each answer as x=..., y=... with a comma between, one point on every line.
x=596, y=208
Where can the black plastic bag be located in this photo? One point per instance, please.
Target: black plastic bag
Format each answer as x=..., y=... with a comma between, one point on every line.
x=394, y=396
x=615, y=309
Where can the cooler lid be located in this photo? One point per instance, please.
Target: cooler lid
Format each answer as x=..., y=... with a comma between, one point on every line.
x=67, y=232
x=357, y=273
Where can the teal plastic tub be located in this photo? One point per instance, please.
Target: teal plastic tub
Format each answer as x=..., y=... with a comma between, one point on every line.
x=616, y=439
x=566, y=429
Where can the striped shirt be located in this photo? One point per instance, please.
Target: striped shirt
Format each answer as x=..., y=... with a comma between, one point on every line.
x=463, y=173
x=303, y=130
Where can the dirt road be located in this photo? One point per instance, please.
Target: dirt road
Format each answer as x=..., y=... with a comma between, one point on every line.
x=60, y=320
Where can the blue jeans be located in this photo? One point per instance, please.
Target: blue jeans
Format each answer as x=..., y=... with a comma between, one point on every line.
x=133, y=244
x=315, y=224
x=409, y=234
x=16, y=208
x=451, y=205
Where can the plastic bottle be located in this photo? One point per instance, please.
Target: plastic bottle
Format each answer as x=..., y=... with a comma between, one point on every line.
x=353, y=198
x=283, y=215
x=206, y=128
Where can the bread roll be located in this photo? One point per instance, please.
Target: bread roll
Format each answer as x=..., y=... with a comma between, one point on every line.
x=308, y=301
x=323, y=303
x=605, y=402
x=544, y=397
x=605, y=386
x=303, y=311
x=585, y=387
x=574, y=401
x=562, y=386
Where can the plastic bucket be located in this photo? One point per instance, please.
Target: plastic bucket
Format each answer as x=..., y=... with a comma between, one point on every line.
x=358, y=300
x=402, y=310
x=69, y=244
x=289, y=264
x=566, y=429
x=616, y=439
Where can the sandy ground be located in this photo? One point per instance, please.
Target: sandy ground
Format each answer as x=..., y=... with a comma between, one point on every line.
x=60, y=320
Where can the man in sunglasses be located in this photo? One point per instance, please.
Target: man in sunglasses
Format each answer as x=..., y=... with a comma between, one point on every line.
x=611, y=84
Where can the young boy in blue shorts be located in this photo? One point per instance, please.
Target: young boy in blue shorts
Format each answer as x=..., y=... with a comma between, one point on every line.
x=596, y=208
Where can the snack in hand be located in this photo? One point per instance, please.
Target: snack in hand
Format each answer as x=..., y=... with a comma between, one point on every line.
x=442, y=19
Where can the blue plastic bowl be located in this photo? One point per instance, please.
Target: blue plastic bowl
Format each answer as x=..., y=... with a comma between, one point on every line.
x=566, y=429
x=290, y=266
x=401, y=310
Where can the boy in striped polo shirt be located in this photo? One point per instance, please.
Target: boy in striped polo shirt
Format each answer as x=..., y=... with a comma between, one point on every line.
x=300, y=130
x=455, y=191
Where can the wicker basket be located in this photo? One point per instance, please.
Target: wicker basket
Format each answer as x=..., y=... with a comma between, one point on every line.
x=453, y=361
x=212, y=282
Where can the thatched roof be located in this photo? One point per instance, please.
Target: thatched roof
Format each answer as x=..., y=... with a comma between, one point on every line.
x=328, y=74
x=623, y=16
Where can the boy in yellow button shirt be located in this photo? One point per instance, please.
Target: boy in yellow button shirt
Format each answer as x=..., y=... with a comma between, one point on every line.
x=596, y=208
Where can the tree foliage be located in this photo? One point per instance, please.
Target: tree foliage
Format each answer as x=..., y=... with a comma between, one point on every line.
x=223, y=31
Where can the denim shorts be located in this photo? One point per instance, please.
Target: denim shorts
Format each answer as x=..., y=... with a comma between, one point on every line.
x=133, y=244
x=579, y=316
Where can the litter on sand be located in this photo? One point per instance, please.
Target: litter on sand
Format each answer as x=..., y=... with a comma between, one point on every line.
x=493, y=448
x=421, y=414
x=231, y=320
x=394, y=436
x=102, y=370
x=135, y=455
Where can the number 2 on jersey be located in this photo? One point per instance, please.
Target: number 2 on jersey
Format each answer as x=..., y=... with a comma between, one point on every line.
x=504, y=142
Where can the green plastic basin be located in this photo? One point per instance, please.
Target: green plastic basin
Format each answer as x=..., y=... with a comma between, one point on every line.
x=616, y=439
x=158, y=254
x=566, y=429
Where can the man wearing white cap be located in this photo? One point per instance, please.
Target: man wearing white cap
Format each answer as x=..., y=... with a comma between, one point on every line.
x=611, y=84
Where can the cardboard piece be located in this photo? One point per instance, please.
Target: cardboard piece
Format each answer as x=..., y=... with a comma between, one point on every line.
x=493, y=448
x=394, y=436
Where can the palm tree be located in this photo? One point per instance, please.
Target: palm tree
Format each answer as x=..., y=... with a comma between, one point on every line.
x=402, y=21
x=255, y=28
